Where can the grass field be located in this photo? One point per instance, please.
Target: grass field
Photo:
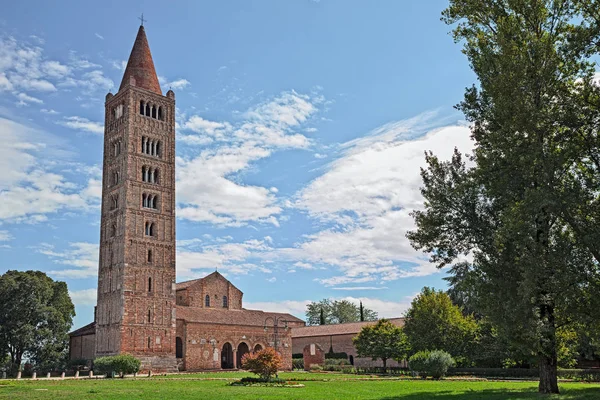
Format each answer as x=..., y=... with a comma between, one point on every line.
x=194, y=387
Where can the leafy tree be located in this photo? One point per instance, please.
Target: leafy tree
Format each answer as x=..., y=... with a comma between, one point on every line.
x=382, y=340
x=328, y=311
x=35, y=318
x=265, y=362
x=434, y=363
x=527, y=208
x=434, y=323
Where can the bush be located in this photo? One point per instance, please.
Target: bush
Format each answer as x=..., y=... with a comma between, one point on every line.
x=251, y=379
x=121, y=364
x=439, y=361
x=336, y=361
x=430, y=363
x=316, y=367
x=264, y=363
x=346, y=369
x=297, y=363
x=77, y=364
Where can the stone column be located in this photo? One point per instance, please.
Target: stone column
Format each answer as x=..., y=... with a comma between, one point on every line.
x=48, y=375
x=3, y=374
x=19, y=375
x=91, y=374
x=62, y=375
x=34, y=376
x=234, y=358
x=77, y=374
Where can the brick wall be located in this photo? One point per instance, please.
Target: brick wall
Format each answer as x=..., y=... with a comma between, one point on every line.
x=340, y=343
x=200, y=354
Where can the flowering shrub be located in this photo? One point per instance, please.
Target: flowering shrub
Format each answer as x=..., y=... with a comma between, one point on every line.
x=264, y=363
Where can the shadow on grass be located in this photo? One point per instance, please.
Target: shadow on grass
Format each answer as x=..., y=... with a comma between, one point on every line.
x=588, y=393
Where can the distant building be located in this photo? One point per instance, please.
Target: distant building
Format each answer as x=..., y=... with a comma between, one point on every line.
x=337, y=338
x=194, y=325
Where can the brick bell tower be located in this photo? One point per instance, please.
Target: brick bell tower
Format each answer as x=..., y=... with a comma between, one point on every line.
x=136, y=277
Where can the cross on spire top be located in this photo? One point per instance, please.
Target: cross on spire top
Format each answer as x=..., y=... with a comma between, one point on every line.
x=142, y=19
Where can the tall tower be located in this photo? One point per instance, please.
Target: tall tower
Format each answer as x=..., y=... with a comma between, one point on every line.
x=136, y=277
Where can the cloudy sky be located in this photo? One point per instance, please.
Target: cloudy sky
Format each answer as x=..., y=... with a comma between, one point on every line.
x=301, y=130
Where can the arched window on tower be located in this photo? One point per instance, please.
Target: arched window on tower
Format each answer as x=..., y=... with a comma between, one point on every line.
x=142, y=107
x=154, y=204
x=114, y=202
x=149, y=317
x=149, y=342
x=160, y=114
x=149, y=228
x=149, y=256
x=154, y=111
x=225, y=303
x=207, y=301
x=150, y=284
x=147, y=110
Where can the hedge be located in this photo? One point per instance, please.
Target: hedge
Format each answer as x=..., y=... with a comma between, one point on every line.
x=589, y=375
x=337, y=356
x=121, y=364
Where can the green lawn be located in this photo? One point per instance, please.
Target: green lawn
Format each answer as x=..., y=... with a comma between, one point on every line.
x=194, y=388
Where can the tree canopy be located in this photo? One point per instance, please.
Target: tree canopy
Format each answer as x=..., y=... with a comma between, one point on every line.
x=382, y=340
x=329, y=311
x=525, y=206
x=433, y=323
x=35, y=318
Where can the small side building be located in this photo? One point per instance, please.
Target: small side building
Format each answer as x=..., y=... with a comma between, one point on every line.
x=337, y=338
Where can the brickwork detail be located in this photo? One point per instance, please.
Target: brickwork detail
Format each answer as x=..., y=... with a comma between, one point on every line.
x=313, y=354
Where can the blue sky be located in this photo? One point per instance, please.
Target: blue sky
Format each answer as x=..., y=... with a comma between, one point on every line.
x=301, y=130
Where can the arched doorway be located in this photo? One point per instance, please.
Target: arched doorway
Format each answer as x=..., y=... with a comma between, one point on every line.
x=178, y=347
x=241, y=350
x=227, y=356
x=351, y=359
x=258, y=347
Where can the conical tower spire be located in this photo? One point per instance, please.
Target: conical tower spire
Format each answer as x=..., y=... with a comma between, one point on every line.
x=140, y=66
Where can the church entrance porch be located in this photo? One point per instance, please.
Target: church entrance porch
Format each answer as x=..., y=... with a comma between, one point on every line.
x=241, y=350
x=227, y=356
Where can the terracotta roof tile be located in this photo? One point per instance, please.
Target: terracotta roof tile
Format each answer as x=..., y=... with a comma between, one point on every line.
x=231, y=317
x=140, y=66
x=337, y=329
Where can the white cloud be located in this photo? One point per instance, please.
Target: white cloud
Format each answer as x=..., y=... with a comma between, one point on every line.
x=294, y=307
x=24, y=98
x=83, y=124
x=85, y=297
x=80, y=257
x=49, y=111
x=206, y=190
x=178, y=84
x=5, y=236
x=28, y=189
x=99, y=36
x=353, y=288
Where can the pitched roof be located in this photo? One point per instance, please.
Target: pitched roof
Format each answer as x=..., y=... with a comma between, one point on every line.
x=187, y=284
x=89, y=329
x=337, y=329
x=231, y=317
x=140, y=66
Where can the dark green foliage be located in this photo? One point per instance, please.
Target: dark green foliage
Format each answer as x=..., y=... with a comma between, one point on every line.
x=431, y=363
x=587, y=375
x=297, y=355
x=525, y=205
x=328, y=311
x=36, y=314
x=382, y=340
x=121, y=364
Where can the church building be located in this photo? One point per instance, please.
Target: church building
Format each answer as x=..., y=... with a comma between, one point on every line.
x=141, y=310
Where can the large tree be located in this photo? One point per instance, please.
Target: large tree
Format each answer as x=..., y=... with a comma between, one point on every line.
x=36, y=314
x=382, y=340
x=527, y=207
x=329, y=311
x=434, y=323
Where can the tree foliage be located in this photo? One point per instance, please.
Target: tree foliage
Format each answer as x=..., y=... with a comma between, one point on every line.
x=382, y=340
x=527, y=209
x=431, y=363
x=433, y=322
x=329, y=311
x=36, y=314
x=265, y=362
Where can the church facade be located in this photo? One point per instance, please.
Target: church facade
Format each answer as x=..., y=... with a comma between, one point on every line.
x=141, y=310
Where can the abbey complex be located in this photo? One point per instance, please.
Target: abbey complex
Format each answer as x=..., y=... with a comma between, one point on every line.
x=141, y=310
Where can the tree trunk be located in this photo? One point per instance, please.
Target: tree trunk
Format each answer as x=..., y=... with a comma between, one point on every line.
x=548, y=376
x=384, y=365
x=548, y=358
